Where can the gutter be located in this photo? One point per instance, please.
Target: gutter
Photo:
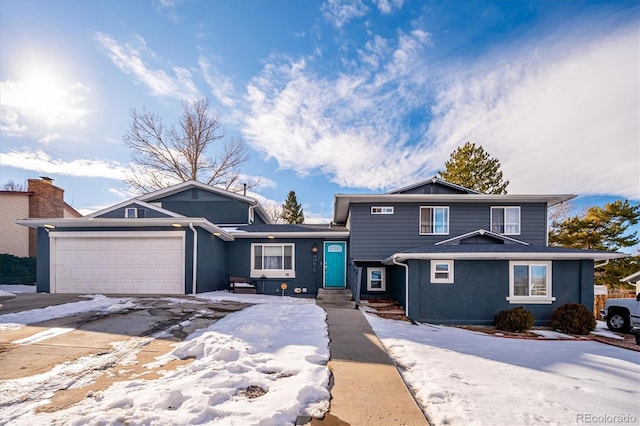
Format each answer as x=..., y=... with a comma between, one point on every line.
x=406, y=283
x=195, y=259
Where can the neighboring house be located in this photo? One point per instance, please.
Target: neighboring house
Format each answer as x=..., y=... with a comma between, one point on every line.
x=633, y=279
x=446, y=253
x=41, y=200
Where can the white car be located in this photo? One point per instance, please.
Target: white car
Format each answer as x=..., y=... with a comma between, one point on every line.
x=621, y=314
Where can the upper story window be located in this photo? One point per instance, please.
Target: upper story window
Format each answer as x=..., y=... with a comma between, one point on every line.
x=434, y=220
x=273, y=260
x=505, y=220
x=132, y=213
x=381, y=210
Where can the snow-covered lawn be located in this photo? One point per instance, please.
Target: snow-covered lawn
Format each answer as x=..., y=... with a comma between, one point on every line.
x=265, y=364
x=462, y=377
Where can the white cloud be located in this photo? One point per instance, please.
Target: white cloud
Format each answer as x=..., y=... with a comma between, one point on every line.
x=220, y=85
x=561, y=114
x=48, y=138
x=386, y=7
x=130, y=59
x=562, y=118
x=339, y=12
x=39, y=161
x=349, y=127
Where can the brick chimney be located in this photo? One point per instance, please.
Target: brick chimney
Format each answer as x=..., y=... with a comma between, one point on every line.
x=46, y=201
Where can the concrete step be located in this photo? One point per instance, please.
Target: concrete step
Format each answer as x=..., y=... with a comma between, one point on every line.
x=342, y=304
x=335, y=298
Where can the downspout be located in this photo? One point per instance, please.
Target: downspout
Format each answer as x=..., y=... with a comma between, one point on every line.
x=195, y=259
x=406, y=282
x=600, y=265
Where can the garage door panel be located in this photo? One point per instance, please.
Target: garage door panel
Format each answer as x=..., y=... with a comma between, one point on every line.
x=143, y=265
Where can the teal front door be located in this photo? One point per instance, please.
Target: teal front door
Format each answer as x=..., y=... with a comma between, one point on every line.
x=335, y=264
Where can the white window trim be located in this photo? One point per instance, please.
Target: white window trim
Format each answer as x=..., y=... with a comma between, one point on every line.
x=135, y=213
x=383, y=277
x=382, y=210
x=273, y=273
x=420, y=220
x=449, y=279
x=548, y=299
x=504, y=209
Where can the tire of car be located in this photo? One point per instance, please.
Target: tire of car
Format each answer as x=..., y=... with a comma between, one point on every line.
x=619, y=321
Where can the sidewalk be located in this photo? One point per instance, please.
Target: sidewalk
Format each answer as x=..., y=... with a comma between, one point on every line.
x=367, y=388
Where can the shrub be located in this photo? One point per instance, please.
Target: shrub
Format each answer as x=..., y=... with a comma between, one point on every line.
x=17, y=270
x=515, y=320
x=573, y=318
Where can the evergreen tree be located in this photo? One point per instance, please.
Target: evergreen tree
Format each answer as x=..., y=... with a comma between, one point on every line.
x=291, y=210
x=602, y=228
x=470, y=166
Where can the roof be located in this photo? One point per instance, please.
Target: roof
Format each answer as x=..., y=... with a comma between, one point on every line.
x=433, y=179
x=500, y=252
x=343, y=201
x=194, y=184
x=631, y=278
x=288, y=231
x=71, y=210
x=481, y=232
x=136, y=202
x=91, y=222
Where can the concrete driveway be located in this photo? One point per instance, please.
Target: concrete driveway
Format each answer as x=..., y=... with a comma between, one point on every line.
x=118, y=345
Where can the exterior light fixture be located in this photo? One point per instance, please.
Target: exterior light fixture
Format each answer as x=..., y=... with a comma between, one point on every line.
x=271, y=237
x=314, y=248
x=176, y=225
x=49, y=226
x=216, y=234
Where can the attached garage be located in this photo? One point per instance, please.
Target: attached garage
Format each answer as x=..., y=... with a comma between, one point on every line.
x=117, y=262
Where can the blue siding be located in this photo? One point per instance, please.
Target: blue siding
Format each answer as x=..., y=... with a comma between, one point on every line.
x=43, y=278
x=211, y=274
x=307, y=275
x=216, y=208
x=432, y=188
x=481, y=287
x=119, y=213
x=375, y=237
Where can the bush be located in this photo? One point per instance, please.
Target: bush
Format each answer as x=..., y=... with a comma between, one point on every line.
x=17, y=270
x=515, y=320
x=573, y=318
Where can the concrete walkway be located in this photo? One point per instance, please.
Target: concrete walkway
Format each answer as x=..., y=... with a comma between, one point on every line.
x=367, y=388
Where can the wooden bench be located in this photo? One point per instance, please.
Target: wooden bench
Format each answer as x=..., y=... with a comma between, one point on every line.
x=242, y=285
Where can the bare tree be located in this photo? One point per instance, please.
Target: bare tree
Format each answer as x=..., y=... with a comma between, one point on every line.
x=163, y=156
x=13, y=186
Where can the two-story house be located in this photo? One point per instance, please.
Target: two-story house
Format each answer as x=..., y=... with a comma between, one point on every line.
x=451, y=255
x=446, y=253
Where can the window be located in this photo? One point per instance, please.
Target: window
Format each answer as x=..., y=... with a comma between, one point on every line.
x=375, y=279
x=434, y=220
x=530, y=282
x=505, y=220
x=382, y=210
x=132, y=213
x=273, y=260
x=442, y=271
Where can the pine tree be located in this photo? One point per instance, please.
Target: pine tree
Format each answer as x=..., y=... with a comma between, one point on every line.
x=291, y=210
x=470, y=166
x=602, y=228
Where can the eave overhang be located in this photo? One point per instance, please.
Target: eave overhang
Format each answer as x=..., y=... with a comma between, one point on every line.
x=280, y=235
x=85, y=222
x=401, y=257
x=342, y=201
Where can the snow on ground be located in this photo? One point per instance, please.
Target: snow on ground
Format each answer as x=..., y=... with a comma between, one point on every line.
x=603, y=330
x=462, y=377
x=218, y=296
x=11, y=289
x=97, y=302
x=280, y=348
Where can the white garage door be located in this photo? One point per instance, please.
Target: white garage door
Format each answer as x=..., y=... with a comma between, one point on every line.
x=117, y=262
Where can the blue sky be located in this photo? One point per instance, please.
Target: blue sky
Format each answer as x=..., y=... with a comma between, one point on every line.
x=329, y=96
